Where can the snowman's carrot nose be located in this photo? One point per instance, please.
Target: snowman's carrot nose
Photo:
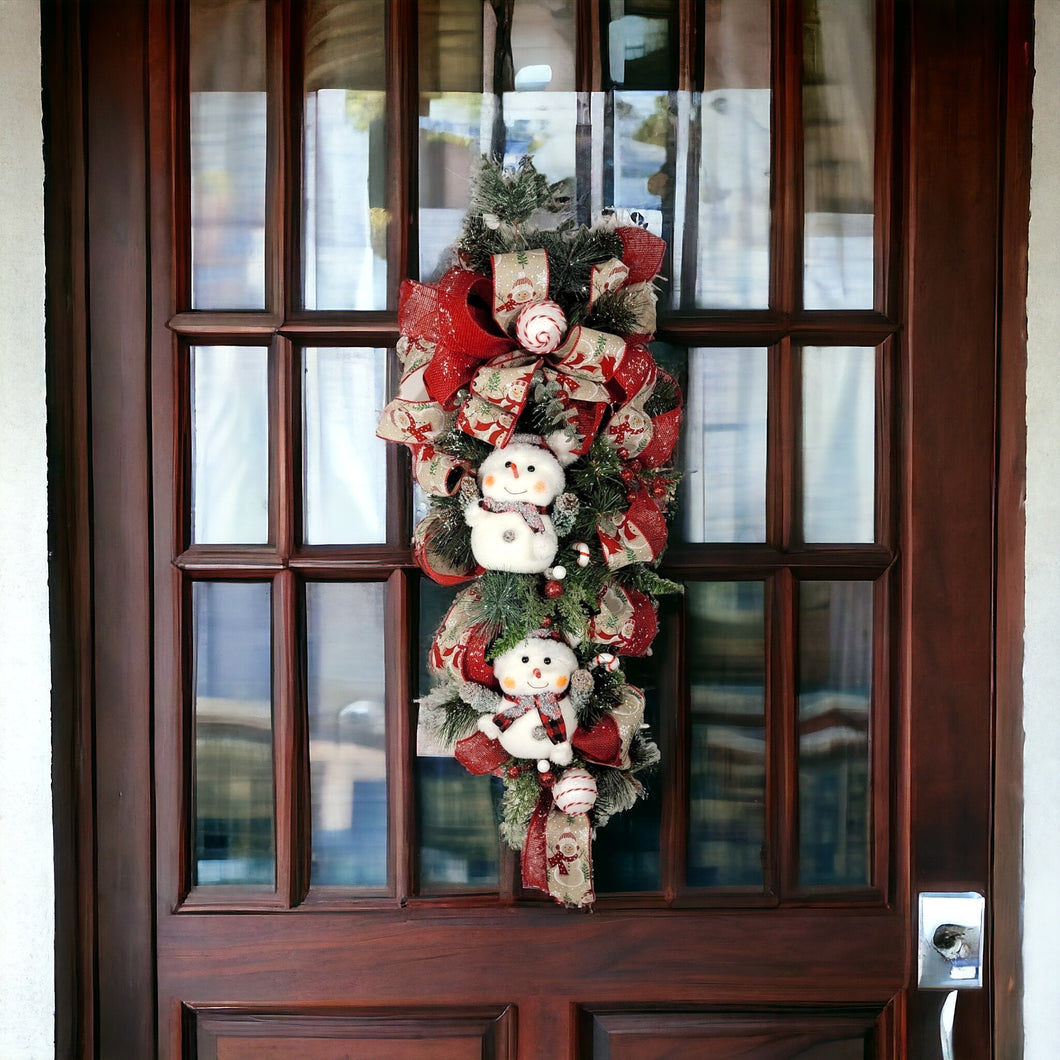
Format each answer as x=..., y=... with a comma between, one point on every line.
x=537, y=673
x=515, y=470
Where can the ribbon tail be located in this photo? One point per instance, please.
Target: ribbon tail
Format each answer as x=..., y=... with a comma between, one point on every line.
x=535, y=852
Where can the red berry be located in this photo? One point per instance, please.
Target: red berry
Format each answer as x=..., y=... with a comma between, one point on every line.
x=546, y=621
x=513, y=772
x=624, y=454
x=553, y=589
x=636, y=465
x=658, y=490
x=547, y=779
x=626, y=474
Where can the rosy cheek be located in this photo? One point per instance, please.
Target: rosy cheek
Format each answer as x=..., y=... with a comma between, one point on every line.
x=561, y=681
x=488, y=480
x=508, y=682
x=539, y=486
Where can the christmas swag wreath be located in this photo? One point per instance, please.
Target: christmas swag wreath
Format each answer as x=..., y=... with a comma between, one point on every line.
x=542, y=430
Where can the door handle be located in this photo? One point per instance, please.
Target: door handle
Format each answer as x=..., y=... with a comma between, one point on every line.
x=950, y=951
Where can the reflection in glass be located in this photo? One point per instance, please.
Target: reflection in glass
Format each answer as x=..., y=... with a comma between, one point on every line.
x=347, y=732
x=638, y=174
x=839, y=443
x=344, y=210
x=230, y=444
x=235, y=821
x=456, y=811
x=727, y=199
x=228, y=152
x=626, y=851
x=725, y=445
x=727, y=784
x=834, y=690
x=839, y=130
x=345, y=463
x=518, y=99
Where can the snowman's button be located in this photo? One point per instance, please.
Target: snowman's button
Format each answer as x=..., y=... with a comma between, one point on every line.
x=539, y=732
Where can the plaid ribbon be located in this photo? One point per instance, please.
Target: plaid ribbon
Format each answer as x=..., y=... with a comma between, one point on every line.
x=548, y=710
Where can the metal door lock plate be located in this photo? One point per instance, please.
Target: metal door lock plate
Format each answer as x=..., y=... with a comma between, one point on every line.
x=950, y=940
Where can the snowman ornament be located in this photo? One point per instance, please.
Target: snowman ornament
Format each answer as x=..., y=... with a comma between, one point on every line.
x=535, y=717
x=510, y=526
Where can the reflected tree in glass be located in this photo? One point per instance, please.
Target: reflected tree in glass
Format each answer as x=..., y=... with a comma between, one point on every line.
x=834, y=694
x=518, y=99
x=347, y=732
x=235, y=822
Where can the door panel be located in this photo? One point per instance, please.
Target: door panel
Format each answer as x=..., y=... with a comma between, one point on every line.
x=266, y=1034
x=839, y=689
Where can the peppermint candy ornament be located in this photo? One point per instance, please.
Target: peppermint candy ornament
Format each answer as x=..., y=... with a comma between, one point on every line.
x=540, y=327
x=575, y=792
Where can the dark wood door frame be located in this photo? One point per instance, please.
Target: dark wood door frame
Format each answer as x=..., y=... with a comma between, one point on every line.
x=98, y=421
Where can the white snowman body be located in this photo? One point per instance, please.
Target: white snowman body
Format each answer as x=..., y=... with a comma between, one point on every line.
x=520, y=541
x=536, y=666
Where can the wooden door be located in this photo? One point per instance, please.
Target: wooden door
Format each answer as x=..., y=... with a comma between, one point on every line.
x=272, y=864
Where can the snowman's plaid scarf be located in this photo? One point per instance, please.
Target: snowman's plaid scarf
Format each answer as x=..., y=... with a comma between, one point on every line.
x=548, y=710
x=531, y=513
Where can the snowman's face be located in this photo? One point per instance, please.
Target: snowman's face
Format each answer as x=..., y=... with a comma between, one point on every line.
x=535, y=666
x=521, y=472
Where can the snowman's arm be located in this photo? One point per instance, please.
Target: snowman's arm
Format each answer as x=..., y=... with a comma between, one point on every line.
x=581, y=690
x=472, y=513
x=483, y=699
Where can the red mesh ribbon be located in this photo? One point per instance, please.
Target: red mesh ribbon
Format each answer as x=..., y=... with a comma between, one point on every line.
x=480, y=755
x=454, y=315
x=642, y=253
x=601, y=744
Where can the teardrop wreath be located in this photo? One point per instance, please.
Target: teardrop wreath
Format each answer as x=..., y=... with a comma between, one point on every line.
x=542, y=431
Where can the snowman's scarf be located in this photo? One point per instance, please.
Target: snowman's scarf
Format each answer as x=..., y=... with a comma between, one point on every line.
x=531, y=513
x=548, y=710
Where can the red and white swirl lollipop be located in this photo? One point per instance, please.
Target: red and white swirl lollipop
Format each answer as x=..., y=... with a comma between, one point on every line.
x=541, y=327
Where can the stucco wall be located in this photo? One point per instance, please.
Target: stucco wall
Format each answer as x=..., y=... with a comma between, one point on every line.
x=26, y=885
x=1042, y=645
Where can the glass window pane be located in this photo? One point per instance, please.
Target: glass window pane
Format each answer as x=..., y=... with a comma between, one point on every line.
x=228, y=152
x=457, y=812
x=235, y=821
x=638, y=158
x=230, y=445
x=344, y=210
x=839, y=443
x=626, y=854
x=345, y=463
x=834, y=690
x=724, y=490
x=727, y=195
x=347, y=732
x=839, y=130
x=480, y=96
x=727, y=786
